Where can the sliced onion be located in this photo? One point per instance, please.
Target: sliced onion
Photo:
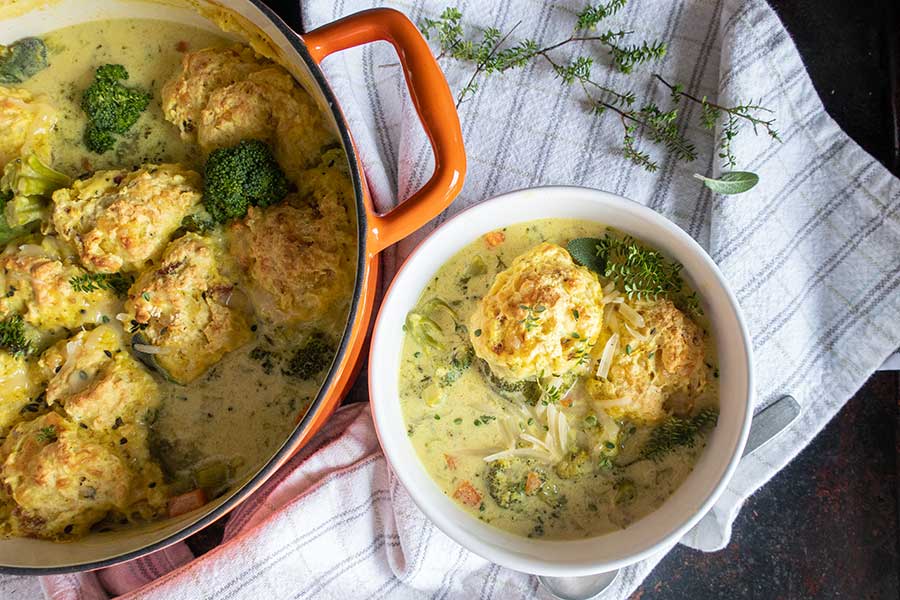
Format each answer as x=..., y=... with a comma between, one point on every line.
x=613, y=403
x=610, y=320
x=148, y=349
x=633, y=333
x=631, y=315
x=611, y=297
x=562, y=426
x=609, y=350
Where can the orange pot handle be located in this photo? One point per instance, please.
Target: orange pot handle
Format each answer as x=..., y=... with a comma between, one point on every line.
x=433, y=101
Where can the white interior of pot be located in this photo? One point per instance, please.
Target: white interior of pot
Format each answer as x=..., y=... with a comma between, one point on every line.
x=690, y=501
x=32, y=553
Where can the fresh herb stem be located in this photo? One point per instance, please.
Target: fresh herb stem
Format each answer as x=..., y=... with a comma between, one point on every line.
x=649, y=120
x=91, y=282
x=712, y=112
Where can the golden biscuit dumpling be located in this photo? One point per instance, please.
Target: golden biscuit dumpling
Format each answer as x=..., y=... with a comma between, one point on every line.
x=661, y=374
x=541, y=316
x=179, y=310
x=121, y=220
x=60, y=478
x=223, y=96
x=95, y=380
x=203, y=72
x=297, y=256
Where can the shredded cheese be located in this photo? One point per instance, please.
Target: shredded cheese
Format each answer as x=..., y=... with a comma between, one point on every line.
x=609, y=351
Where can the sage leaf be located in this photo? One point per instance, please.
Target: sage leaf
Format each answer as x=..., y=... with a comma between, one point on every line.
x=730, y=182
x=584, y=253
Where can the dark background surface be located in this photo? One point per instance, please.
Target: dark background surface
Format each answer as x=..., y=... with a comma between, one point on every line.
x=827, y=525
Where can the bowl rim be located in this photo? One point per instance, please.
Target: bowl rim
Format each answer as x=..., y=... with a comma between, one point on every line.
x=447, y=524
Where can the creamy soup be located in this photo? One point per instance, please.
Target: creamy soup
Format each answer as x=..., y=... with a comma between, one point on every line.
x=168, y=341
x=541, y=395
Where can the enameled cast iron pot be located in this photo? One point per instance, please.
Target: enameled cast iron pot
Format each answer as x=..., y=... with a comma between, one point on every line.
x=251, y=20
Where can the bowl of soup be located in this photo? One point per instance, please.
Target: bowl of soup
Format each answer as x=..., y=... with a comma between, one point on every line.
x=562, y=380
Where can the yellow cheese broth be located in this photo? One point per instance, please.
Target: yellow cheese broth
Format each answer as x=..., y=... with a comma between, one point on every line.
x=451, y=445
x=236, y=414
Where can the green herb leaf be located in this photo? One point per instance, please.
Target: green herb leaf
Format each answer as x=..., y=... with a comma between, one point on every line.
x=731, y=182
x=584, y=253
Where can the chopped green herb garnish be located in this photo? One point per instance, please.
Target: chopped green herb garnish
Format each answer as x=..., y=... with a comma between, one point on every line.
x=47, y=434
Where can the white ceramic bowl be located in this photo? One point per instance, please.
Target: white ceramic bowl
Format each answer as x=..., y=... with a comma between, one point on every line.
x=716, y=464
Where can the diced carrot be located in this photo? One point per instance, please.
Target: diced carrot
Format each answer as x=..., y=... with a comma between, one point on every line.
x=494, y=239
x=467, y=494
x=532, y=483
x=451, y=461
x=185, y=503
x=567, y=402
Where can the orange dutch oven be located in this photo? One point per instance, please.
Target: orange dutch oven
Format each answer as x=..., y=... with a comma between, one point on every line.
x=302, y=55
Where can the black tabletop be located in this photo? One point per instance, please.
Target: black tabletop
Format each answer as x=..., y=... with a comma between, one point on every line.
x=827, y=525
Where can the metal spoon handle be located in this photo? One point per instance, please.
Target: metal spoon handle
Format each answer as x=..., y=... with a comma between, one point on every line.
x=771, y=421
x=766, y=425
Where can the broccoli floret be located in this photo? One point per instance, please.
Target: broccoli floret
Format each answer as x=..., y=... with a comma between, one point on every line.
x=312, y=357
x=505, y=482
x=199, y=222
x=22, y=59
x=26, y=186
x=530, y=391
x=460, y=361
x=625, y=491
x=98, y=140
x=573, y=465
x=265, y=358
x=240, y=176
x=13, y=336
x=112, y=109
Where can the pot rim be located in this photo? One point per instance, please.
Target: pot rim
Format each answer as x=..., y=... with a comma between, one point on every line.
x=493, y=551
x=287, y=449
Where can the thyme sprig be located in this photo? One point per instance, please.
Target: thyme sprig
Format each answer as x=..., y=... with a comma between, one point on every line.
x=14, y=337
x=489, y=56
x=642, y=272
x=711, y=113
x=647, y=119
x=678, y=432
x=91, y=282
